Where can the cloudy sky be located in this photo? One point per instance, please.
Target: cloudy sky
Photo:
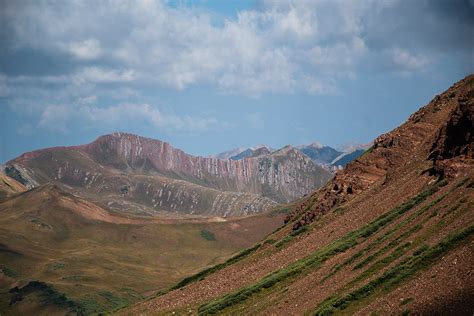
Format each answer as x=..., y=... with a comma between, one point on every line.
x=212, y=75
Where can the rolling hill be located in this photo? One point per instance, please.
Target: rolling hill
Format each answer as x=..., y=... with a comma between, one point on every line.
x=392, y=233
x=62, y=254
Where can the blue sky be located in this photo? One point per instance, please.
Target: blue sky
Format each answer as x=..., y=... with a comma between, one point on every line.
x=208, y=76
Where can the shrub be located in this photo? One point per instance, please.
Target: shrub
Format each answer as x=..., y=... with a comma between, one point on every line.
x=208, y=235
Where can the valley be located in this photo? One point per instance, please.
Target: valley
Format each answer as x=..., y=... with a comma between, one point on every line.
x=102, y=260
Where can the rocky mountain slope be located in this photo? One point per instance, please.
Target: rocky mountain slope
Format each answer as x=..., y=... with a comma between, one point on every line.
x=380, y=238
x=141, y=175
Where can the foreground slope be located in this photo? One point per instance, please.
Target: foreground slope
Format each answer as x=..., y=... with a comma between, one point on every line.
x=60, y=253
x=135, y=174
x=381, y=237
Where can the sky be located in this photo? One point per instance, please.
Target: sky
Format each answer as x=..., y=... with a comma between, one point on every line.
x=208, y=76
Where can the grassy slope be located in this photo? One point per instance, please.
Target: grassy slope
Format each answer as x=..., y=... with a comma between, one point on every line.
x=409, y=251
x=105, y=263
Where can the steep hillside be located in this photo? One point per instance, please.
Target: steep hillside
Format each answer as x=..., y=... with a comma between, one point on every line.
x=60, y=253
x=392, y=233
x=141, y=175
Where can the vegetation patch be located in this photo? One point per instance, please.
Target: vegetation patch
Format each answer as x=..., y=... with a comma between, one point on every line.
x=284, y=241
x=368, y=151
x=201, y=275
x=269, y=242
x=208, y=235
x=56, y=266
x=383, y=238
x=290, y=237
x=9, y=272
x=315, y=259
x=113, y=300
x=48, y=296
x=389, y=246
x=394, y=276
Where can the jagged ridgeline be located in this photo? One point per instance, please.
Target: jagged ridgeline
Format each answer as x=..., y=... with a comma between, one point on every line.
x=391, y=234
x=134, y=174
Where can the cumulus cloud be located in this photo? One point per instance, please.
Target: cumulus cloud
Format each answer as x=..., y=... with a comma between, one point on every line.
x=57, y=117
x=407, y=61
x=87, y=49
x=84, y=50
x=276, y=48
x=100, y=75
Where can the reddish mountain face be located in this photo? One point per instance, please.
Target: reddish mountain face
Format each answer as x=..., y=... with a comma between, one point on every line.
x=128, y=172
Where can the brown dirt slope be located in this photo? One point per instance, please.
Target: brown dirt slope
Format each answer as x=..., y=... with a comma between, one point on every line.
x=390, y=234
x=9, y=187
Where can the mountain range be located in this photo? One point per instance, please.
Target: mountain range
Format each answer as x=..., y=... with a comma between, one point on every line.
x=324, y=156
x=134, y=174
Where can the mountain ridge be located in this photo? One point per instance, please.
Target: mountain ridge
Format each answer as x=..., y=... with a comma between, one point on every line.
x=134, y=172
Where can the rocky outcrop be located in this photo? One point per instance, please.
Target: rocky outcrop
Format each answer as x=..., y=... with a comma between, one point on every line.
x=128, y=172
x=441, y=131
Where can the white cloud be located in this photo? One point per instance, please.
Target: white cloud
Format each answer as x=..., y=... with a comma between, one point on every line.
x=100, y=75
x=407, y=61
x=273, y=50
x=87, y=49
x=4, y=90
x=281, y=47
x=57, y=117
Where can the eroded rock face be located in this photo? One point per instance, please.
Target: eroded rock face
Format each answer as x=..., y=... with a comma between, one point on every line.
x=455, y=138
x=128, y=171
x=441, y=134
x=284, y=175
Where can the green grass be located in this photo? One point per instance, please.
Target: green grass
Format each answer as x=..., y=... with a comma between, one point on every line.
x=48, y=295
x=291, y=236
x=201, y=275
x=207, y=235
x=9, y=272
x=113, y=300
x=270, y=241
x=383, y=238
x=315, y=259
x=368, y=151
x=397, y=274
x=389, y=246
x=406, y=301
